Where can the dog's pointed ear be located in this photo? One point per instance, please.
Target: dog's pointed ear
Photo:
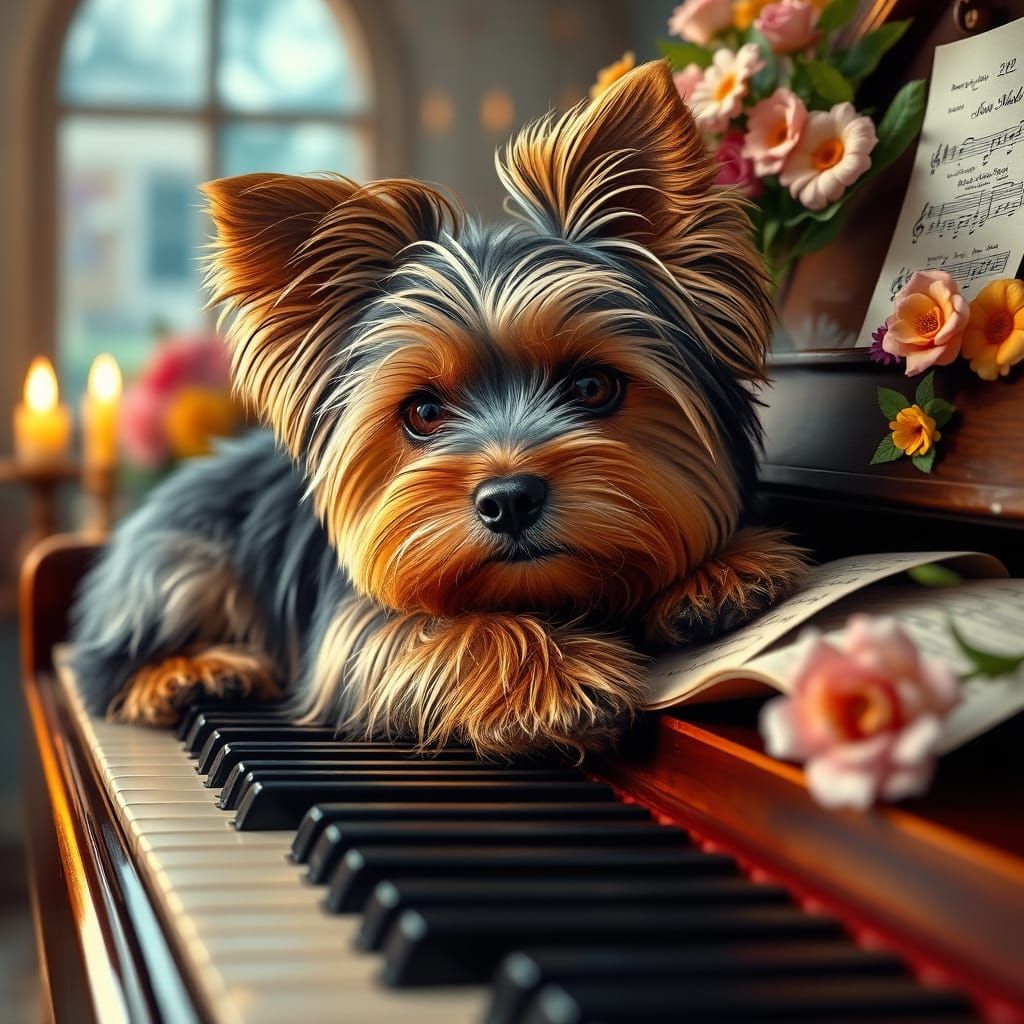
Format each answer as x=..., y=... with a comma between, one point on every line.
x=293, y=260
x=629, y=172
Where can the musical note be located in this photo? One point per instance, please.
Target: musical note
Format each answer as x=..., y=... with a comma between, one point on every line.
x=984, y=147
x=964, y=271
x=969, y=211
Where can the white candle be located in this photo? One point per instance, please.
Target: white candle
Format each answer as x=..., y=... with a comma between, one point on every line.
x=42, y=426
x=100, y=411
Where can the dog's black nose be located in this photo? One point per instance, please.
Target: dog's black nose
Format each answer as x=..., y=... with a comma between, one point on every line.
x=509, y=504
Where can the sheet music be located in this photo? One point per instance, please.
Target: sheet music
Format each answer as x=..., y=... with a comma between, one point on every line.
x=989, y=615
x=963, y=209
x=678, y=673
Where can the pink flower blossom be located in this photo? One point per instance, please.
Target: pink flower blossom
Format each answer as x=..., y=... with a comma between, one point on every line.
x=773, y=128
x=687, y=80
x=833, y=151
x=866, y=718
x=735, y=169
x=699, y=21
x=718, y=96
x=928, y=321
x=788, y=25
x=141, y=426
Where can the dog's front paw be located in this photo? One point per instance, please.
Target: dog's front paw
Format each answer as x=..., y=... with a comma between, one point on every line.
x=758, y=569
x=157, y=694
x=510, y=684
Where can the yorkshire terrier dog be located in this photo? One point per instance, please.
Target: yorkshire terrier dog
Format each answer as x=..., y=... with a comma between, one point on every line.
x=507, y=462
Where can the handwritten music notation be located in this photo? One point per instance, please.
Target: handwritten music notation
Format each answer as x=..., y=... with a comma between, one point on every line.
x=983, y=146
x=963, y=271
x=970, y=211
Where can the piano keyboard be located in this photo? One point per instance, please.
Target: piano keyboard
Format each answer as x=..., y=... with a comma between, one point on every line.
x=302, y=878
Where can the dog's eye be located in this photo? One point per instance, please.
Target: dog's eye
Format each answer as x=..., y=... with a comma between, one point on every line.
x=596, y=389
x=424, y=416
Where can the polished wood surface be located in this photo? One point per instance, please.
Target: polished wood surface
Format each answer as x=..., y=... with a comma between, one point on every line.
x=941, y=880
x=105, y=955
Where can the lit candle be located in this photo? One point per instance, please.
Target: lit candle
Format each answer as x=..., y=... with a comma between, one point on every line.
x=42, y=426
x=99, y=412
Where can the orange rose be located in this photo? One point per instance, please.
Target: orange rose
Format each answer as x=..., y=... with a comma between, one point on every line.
x=928, y=322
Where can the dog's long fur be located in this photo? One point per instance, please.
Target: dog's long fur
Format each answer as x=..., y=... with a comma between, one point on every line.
x=353, y=569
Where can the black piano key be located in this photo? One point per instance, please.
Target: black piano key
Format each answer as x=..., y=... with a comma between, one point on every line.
x=875, y=1000
x=271, y=806
x=523, y=973
x=360, y=870
x=438, y=946
x=390, y=899
x=206, y=721
x=337, y=840
x=231, y=753
x=203, y=743
x=321, y=815
x=242, y=778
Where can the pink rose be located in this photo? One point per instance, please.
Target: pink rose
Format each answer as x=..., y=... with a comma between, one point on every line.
x=773, y=129
x=699, y=21
x=866, y=719
x=735, y=169
x=928, y=321
x=188, y=359
x=788, y=25
x=687, y=80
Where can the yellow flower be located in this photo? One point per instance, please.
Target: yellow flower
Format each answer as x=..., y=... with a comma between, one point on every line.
x=994, y=339
x=745, y=11
x=913, y=430
x=195, y=416
x=611, y=74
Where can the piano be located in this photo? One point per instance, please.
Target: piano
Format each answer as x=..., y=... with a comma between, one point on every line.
x=246, y=869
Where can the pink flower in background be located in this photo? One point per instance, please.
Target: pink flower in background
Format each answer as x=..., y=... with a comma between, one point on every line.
x=687, y=80
x=833, y=151
x=699, y=21
x=788, y=25
x=773, y=128
x=718, y=96
x=928, y=321
x=865, y=718
x=178, y=363
x=735, y=169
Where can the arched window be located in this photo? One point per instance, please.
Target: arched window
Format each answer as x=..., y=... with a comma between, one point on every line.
x=158, y=96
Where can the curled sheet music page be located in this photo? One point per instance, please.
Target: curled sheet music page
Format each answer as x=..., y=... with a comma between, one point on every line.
x=964, y=207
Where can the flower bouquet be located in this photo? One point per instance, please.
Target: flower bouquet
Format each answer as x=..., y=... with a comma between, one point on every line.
x=774, y=89
x=179, y=403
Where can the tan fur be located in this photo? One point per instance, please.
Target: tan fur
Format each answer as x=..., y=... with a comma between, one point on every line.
x=157, y=693
x=758, y=568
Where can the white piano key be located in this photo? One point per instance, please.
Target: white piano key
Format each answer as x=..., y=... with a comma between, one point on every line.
x=252, y=934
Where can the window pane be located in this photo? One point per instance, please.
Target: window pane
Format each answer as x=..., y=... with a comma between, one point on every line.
x=285, y=55
x=131, y=231
x=131, y=53
x=302, y=148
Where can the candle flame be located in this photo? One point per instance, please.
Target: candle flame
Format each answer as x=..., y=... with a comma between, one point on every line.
x=105, y=379
x=41, y=385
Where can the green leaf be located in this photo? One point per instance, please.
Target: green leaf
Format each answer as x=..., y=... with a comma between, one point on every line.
x=816, y=236
x=820, y=215
x=940, y=410
x=828, y=83
x=986, y=663
x=680, y=54
x=886, y=451
x=925, y=462
x=763, y=83
x=925, y=390
x=900, y=125
x=934, y=575
x=891, y=402
x=862, y=58
x=837, y=14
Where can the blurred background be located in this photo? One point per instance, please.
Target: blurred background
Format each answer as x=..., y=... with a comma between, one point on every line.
x=113, y=111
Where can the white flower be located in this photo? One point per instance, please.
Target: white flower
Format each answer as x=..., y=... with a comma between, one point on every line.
x=719, y=95
x=833, y=152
